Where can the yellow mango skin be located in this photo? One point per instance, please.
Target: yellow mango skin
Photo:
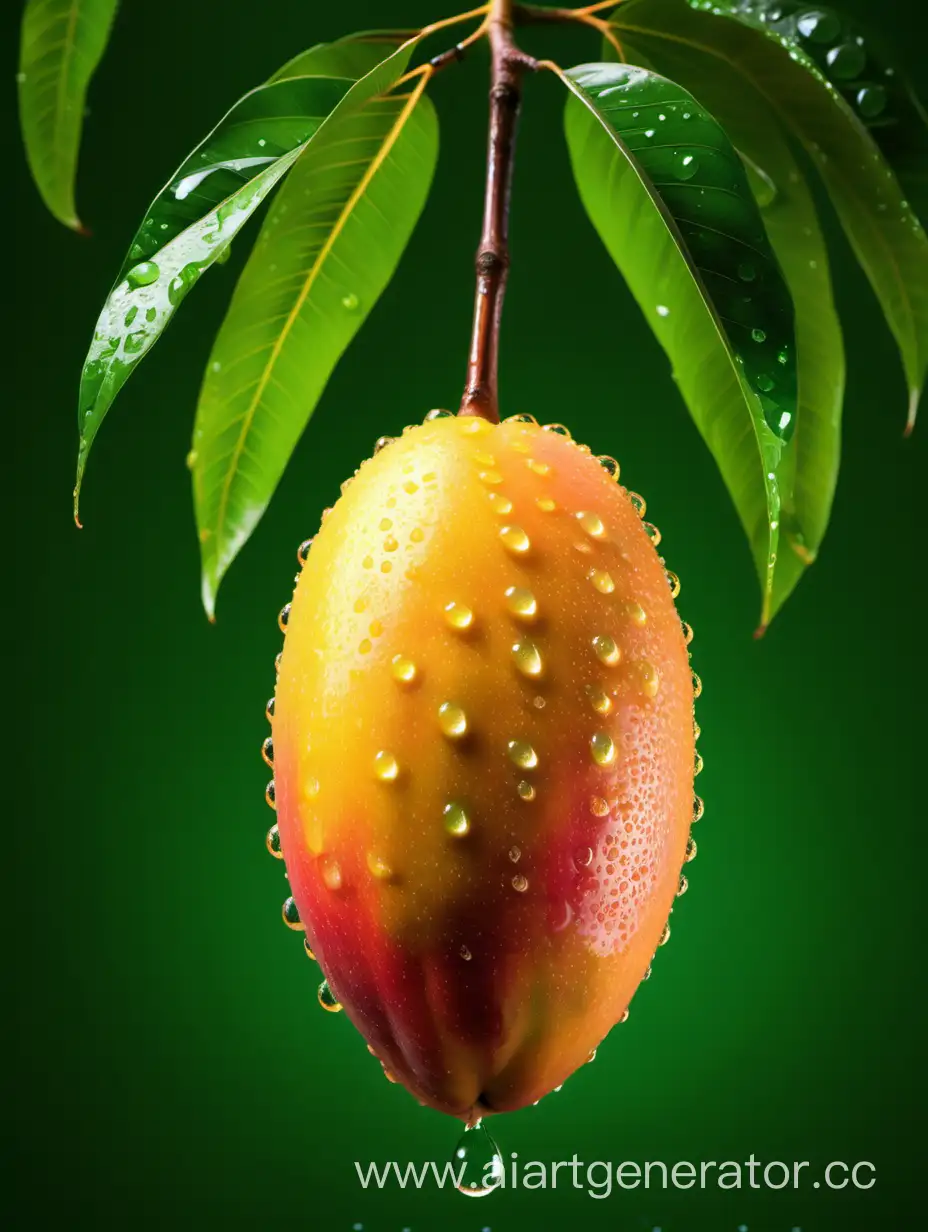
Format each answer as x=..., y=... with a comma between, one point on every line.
x=485, y=914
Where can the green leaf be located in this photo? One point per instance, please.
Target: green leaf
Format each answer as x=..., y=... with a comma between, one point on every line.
x=886, y=236
x=328, y=248
x=809, y=469
x=353, y=56
x=669, y=196
x=62, y=42
x=868, y=78
x=189, y=226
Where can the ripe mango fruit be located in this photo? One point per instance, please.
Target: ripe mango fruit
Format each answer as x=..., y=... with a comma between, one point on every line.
x=483, y=754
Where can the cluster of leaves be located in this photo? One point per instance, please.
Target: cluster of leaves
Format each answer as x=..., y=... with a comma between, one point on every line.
x=693, y=144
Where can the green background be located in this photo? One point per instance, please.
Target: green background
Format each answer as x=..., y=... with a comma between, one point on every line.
x=171, y=1066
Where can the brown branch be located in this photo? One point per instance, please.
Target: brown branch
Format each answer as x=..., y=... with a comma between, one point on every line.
x=481, y=396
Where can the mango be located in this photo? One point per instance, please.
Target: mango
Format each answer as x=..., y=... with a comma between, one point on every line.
x=483, y=756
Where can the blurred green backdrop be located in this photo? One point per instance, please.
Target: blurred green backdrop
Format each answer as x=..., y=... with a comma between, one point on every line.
x=171, y=1066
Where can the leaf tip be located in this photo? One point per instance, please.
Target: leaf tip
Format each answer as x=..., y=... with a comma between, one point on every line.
x=761, y=630
x=208, y=595
x=914, y=397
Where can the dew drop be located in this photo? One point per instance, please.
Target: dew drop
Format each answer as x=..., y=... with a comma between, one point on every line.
x=270, y=795
x=404, y=671
x=455, y=820
x=267, y=751
x=386, y=767
x=523, y=418
x=683, y=886
x=652, y=532
x=599, y=807
x=500, y=504
x=698, y=765
x=602, y=581
x=697, y=686
x=302, y=552
x=546, y=504
x=525, y=790
x=665, y=934
x=382, y=442
x=477, y=1164
x=685, y=167
x=515, y=539
x=650, y=678
x=846, y=61
x=609, y=465
x=331, y=873
x=758, y=335
x=662, y=310
x=690, y=850
x=673, y=582
x=350, y=302
x=438, y=413
x=636, y=614
x=291, y=914
x=378, y=867
x=699, y=808
x=308, y=949
x=458, y=616
x=284, y=617
x=687, y=633
x=539, y=468
x=273, y=842
x=465, y=953
x=583, y=857
x=520, y=883
x=871, y=101
x=764, y=383
x=311, y=788
x=606, y=649
x=599, y=699
x=558, y=430
x=592, y=524
x=527, y=658
x=452, y=720
x=522, y=754
x=515, y=854
x=746, y=272
x=327, y=998
x=638, y=503
x=521, y=603
x=819, y=27
x=490, y=477
x=143, y=274
x=602, y=748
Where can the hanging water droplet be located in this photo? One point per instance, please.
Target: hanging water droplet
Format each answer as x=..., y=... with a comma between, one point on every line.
x=515, y=539
x=525, y=790
x=270, y=795
x=697, y=686
x=327, y=998
x=687, y=632
x=272, y=842
x=267, y=751
x=308, y=949
x=455, y=820
x=673, y=582
x=609, y=465
x=522, y=754
x=437, y=413
x=523, y=418
x=602, y=748
x=350, y=302
x=269, y=709
x=698, y=808
x=652, y=532
x=690, y=850
x=477, y=1162
x=404, y=670
x=871, y=101
x=685, y=166
x=606, y=649
x=698, y=765
x=452, y=720
x=846, y=61
x=386, y=767
x=818, y=26
x=143, y=274
x=458, y=616
x=382, y=442
x=302, y=552
x=683, y=886
x=558, y=430
x=527, y=658
x=665, y=934
x=284, y=617
x=291, y=914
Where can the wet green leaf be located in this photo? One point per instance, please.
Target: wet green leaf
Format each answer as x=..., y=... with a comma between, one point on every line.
x=329, y=246
x=352, y=56
x=668, y=194
x=62, y=42
x=809, y=468
x=890, y=244
x=189, y=226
